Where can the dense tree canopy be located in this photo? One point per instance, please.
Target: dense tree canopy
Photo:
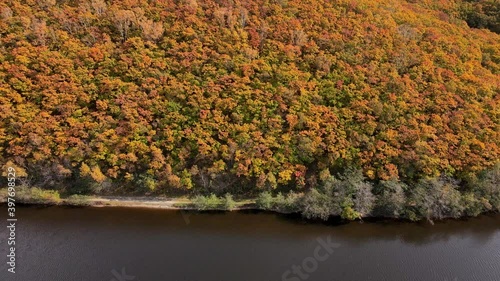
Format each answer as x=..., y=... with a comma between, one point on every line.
x=237, y=96
x=481, y=13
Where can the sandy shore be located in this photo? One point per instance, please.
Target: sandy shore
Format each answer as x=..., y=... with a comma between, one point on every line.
x=136, y=202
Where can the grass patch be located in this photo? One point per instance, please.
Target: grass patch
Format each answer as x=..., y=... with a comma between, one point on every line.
x=78, y=200
x=26, y=194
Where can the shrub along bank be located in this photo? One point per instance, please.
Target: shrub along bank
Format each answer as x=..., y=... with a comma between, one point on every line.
x=351, y=196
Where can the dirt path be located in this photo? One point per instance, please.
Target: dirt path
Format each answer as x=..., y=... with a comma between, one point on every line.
x=152, y=202
x=145, y=202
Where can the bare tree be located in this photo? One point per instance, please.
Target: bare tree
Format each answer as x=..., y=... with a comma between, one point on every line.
x=99, y=7
x=299, y=37
x=243, y=16
x=123, y=20
x=45, y=4
x=39, y=29
x=151, y=30
x=6, y=13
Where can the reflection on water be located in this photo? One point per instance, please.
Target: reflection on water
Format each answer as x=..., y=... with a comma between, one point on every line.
x=62, y=243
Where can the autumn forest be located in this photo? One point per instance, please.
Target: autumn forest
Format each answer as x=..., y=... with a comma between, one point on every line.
x=341, y=107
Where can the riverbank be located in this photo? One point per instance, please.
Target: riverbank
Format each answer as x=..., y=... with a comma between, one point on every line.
x=36, y=196
x=154, y=202
x=283, y=204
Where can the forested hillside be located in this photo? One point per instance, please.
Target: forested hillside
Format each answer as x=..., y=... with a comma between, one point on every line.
x=364, y=100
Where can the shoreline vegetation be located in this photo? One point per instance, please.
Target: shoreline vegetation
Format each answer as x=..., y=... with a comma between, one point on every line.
x=348, y=196
x=184, y=204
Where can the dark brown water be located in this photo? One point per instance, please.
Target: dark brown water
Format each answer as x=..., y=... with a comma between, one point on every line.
x=110, y=244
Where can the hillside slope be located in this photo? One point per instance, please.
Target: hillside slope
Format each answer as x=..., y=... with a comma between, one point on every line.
x=241, y=96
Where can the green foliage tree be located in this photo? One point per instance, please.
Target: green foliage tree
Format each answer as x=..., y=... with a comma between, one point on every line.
x=489, y=186
x=391, y=199
x=265, y=200
x=210, y=202
x=228, y=202
x=435, y=198
x=317, y=205
x=481, y=14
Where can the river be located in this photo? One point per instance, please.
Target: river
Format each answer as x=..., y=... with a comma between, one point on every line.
x=120, y=244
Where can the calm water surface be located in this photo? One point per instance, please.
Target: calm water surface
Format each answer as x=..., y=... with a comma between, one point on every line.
x=93, y=244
